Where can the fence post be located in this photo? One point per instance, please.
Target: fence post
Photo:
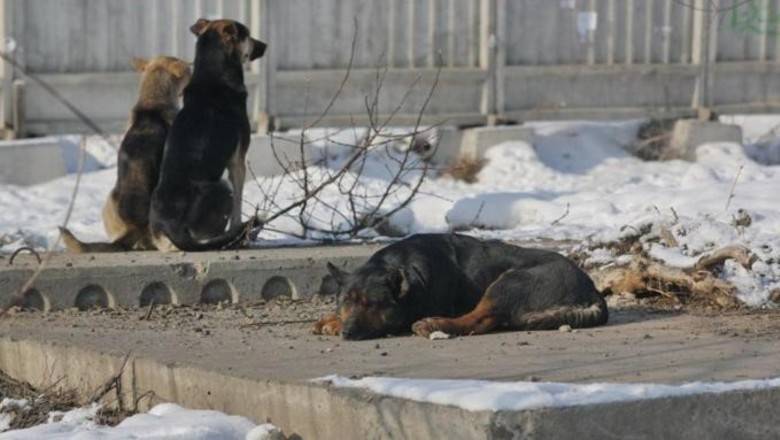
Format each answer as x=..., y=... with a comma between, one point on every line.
x=17, y=106
x=487, y=59
x=262, y=26
x=8, y=22
x=703, y=53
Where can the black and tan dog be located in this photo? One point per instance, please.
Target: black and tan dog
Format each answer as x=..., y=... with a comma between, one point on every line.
x=126, y=212
x=192, y=203
x=461, y=286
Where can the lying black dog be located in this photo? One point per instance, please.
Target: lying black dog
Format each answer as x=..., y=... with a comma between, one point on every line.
x=462, y=286
x=191, y=204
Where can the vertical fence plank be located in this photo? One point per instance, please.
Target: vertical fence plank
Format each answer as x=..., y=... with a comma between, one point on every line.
x=777, y=32
x=762, y=45
x=431, y=55
x=685, y=52
x=474, y=35
x=611, y=32
x=649, y=9
x=667, y=32
x=629, y=37
x=451, y=33
x=487, y=53
x=175, y=28
x=391, y=26
x=410, y=27
x=591, y=35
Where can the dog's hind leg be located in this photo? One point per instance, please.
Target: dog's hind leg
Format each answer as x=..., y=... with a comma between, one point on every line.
x=237, y=175
x=485, y=317
x=478, y=321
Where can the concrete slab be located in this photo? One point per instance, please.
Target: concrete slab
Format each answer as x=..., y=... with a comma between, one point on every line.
x=455, y=143
x=688, y=134
x=257, y=363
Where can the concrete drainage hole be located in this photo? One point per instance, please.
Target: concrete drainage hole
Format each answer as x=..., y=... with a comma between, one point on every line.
x=92, y=296
x=278, y=286
x=157, y=293
x=34, y=300
x=218, y=291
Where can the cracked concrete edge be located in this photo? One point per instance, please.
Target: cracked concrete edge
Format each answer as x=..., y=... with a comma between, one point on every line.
x=316, y=411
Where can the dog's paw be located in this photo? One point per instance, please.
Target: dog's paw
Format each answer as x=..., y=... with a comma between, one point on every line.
x=328, y=326
x=425, y=327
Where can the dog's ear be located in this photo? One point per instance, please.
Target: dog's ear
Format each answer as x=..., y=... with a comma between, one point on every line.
x=179, y=69
x=229, y=33
x=339, y=275
x=199, y=26
x=139, y=64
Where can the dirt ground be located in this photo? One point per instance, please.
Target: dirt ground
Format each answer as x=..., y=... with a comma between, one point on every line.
x=273, y=341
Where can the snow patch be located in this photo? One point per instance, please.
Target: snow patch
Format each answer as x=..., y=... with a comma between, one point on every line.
x=481, y=395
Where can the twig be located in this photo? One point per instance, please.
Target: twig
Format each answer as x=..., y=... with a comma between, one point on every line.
x=114, y=383
x=733, y=187
x=565, y=214
x=149, y=311
x=282, y=322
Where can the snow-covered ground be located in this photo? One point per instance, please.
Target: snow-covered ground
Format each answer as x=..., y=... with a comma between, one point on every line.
x=482, y=395
x=576, y=182
x=165, y=421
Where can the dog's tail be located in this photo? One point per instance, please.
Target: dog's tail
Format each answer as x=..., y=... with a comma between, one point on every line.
x=75, y=245
x=574, y=316
x=183, y=240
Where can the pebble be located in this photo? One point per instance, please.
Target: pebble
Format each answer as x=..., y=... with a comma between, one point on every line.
x=438, y=335
x=565, y=328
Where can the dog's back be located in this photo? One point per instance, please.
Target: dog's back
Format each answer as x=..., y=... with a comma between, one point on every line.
x=542, y=288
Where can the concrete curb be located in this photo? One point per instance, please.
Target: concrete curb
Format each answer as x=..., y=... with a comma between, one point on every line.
x=137, y=278
x=316, y=411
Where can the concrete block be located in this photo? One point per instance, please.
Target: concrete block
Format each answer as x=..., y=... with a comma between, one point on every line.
x=261, y=154
x=448, y=141
x=454, y=143
x=478, y=140
x=688, y=134
x=27, y=162
x=32, y=161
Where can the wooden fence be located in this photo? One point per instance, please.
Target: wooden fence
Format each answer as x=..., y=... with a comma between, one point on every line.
x=500, y=59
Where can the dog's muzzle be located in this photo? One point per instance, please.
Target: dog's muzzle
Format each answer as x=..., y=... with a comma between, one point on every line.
x=258, y=49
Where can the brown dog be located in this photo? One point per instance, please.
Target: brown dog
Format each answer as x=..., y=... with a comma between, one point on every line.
x=126, y=212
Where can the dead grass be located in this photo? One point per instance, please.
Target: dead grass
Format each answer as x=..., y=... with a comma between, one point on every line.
x=465, y=169
x=653, y=139
x=43, y=402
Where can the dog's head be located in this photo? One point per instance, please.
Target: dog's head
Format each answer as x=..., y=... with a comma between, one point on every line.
x=371, y=301
x=233, y=35
x=171, y=74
